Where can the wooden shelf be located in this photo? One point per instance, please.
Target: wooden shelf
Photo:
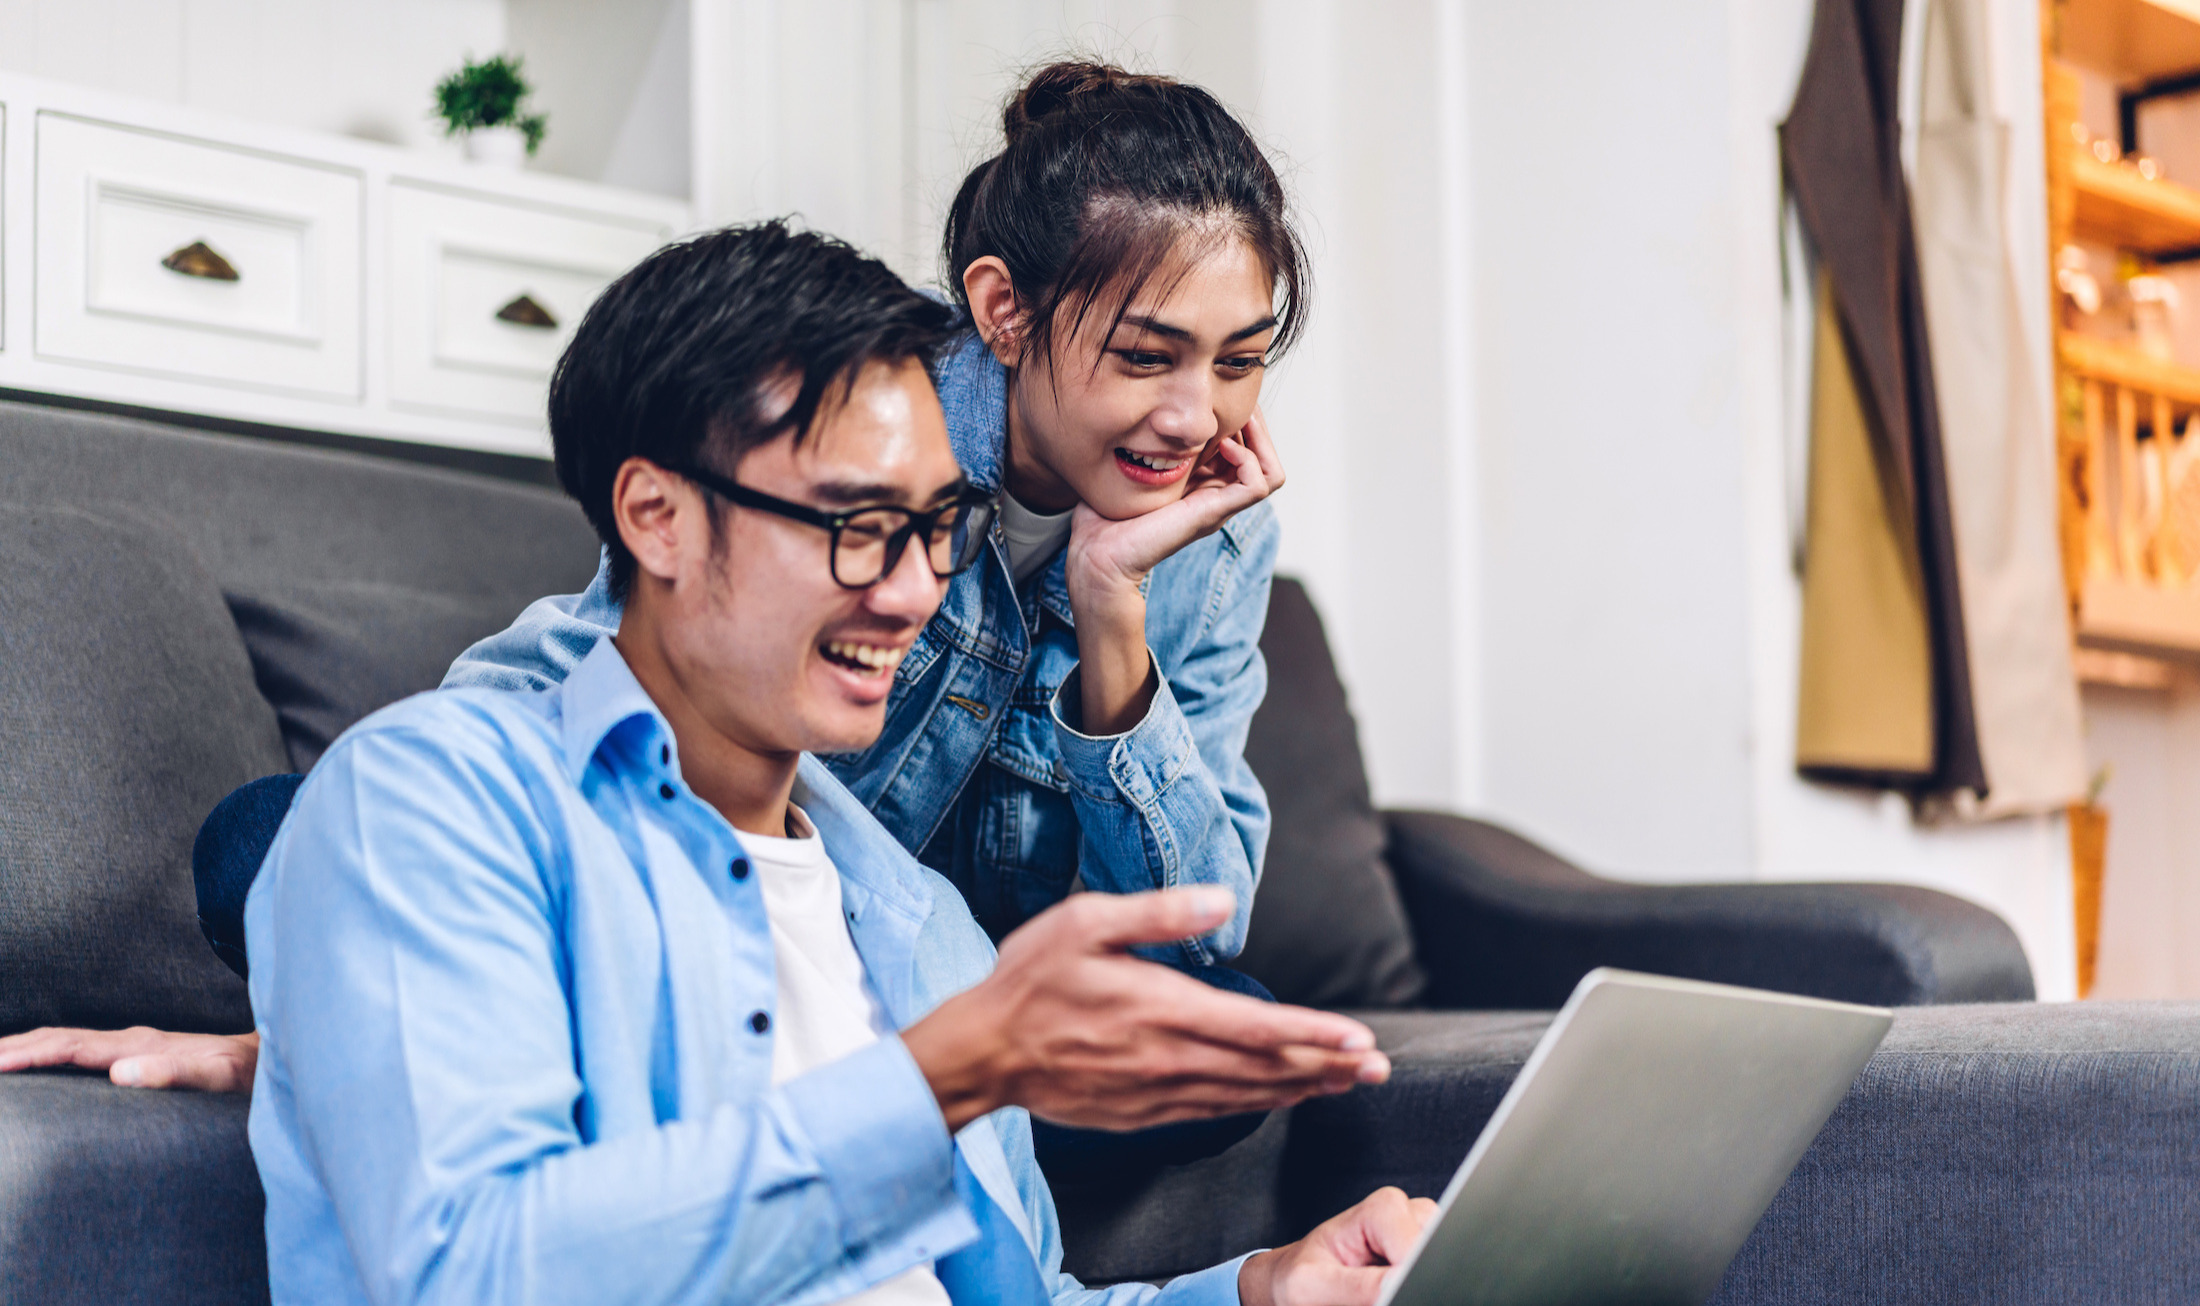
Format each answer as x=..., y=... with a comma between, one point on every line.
x=2132, y=41
x=2116, y=206
x=2127, y=367
x=2134, y=617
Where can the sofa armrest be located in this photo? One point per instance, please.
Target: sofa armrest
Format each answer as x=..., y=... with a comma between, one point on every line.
x=120, y=1195
x=1502, y=923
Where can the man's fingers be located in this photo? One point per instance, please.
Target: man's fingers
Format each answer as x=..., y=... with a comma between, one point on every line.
x=1109, y=922
x=1389, y=1225
x=90, y=1049
x=1251, y=1024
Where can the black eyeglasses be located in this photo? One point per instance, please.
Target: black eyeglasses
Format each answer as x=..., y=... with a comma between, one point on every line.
x=868, y=542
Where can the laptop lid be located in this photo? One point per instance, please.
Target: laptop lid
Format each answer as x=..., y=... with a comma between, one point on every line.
x=1642, y=1142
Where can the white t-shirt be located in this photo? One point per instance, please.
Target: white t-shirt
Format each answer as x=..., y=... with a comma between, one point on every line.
x=1031, y=537
x=826, y=1007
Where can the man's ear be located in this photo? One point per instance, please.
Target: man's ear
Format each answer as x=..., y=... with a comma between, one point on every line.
x=994, y=309
x=652, y=508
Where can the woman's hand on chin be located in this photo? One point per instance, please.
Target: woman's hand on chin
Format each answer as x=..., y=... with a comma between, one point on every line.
x=1109, y=559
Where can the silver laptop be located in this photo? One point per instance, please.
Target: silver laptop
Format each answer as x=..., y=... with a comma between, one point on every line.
x=1640, y=1145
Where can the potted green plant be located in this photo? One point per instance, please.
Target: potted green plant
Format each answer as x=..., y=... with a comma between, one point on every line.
x=484, y=105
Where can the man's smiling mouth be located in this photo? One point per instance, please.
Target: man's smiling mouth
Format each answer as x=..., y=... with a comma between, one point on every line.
x=863, y=659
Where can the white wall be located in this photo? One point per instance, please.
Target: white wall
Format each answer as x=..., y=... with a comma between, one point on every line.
x=363, y=68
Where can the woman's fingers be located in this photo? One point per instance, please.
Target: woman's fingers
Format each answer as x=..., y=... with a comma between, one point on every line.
x=1263, y=446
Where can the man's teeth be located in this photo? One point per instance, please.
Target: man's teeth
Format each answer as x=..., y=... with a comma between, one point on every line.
x=870, y=656
x=1152, y=462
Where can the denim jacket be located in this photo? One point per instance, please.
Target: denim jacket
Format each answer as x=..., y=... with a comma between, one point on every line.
x=981, y=768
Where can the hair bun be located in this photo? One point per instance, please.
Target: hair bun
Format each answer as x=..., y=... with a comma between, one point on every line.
x=1061, y=87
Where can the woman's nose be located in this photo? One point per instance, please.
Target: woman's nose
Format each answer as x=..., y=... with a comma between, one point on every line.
x=1187, y=414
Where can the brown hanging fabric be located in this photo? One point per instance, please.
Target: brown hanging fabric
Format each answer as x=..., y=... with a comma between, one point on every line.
x=1840, y=148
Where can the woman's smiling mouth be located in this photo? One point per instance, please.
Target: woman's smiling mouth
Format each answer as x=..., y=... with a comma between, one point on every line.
x=1152, y=469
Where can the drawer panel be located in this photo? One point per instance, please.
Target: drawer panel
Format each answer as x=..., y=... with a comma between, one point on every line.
x=485, y=293
x=183, y=258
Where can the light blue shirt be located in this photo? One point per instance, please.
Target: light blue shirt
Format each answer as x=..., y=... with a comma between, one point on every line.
x=515, y=995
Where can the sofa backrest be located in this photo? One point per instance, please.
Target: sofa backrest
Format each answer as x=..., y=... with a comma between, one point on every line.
x=1327, y=929
x=180, y=613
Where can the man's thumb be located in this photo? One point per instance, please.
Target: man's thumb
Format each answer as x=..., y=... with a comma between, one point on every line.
x=144, y=1072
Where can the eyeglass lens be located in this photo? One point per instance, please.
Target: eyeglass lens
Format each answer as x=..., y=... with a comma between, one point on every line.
x=870, y=543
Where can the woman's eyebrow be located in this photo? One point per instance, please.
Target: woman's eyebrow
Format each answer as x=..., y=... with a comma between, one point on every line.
x=1167, y=331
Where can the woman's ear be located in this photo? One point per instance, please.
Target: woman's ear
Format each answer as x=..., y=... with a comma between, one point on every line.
x=648, y=503
x=994, y=309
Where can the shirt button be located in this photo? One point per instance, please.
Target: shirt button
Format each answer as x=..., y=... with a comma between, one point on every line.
x=664, y=754
x=759, y=1021
x=665, y=792
x=740, y=868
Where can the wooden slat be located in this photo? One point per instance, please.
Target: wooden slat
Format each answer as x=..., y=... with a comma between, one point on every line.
x=2166, y=567
x=2122, y=366
x=2129, y=498
x=2100, y=548
x=2116, y=206
x=2132, y=40
x=2135, y=617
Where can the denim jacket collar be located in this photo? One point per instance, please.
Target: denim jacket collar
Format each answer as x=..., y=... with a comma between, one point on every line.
x=973, y=387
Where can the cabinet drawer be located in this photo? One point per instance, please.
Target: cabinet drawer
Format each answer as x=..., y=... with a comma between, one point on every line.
x=485, y=293
x=178, y=257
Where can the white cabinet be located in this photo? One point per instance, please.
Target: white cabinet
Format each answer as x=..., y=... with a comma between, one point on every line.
x=154, y=257
x=179, y=257
x=485, y=292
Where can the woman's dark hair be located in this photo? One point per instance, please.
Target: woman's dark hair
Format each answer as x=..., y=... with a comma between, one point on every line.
x=1104, y=173
x=676, y=361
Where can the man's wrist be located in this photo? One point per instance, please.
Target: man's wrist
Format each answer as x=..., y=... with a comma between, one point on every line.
x=962, y=1056
x=1256, y=1279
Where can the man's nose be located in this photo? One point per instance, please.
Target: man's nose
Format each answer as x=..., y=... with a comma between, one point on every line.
x=911, y=591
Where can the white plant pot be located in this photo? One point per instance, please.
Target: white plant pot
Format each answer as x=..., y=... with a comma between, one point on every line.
x=499, y=147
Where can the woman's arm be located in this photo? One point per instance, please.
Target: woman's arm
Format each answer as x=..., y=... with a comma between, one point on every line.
x=1170, y=801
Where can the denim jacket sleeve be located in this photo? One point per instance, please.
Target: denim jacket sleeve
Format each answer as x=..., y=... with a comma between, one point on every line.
x=545, y=642
x=1171, y=801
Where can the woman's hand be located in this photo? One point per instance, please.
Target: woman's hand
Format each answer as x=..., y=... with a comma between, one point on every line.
x=140, y=1057
x=1344, y=1261
x=1108, y=560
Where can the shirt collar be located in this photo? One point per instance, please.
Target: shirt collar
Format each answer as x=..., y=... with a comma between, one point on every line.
x=600, y=696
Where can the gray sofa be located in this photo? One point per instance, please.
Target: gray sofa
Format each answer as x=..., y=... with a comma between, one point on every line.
x=181, y=612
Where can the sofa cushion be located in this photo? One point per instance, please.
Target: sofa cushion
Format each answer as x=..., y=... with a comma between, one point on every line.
x=119, y=1195
x=1327, y=927
x=128, y=708
x=329, y=653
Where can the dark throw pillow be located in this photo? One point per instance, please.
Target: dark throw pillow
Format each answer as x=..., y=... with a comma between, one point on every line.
x=1327, y=929
x=328, y=653
x=128, y=710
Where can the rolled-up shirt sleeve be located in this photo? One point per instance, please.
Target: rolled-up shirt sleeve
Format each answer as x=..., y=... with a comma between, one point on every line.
x=1171, y=801
x=419, y=1070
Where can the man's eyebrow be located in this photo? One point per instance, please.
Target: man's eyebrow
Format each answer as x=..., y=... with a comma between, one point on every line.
x=853, y=494
x=1167, y=331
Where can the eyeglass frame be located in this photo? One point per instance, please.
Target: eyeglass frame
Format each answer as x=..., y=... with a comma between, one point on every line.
x=969, y=496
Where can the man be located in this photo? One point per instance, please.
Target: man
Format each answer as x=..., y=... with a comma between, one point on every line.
x=611, y=992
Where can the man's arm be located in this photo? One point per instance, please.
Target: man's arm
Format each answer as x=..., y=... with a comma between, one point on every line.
x=408, y=977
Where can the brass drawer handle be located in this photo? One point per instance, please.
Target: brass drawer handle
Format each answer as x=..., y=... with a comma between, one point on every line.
x=524, y=311
x=198, y=259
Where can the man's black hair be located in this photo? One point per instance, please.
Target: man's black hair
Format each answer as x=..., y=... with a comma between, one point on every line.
x=676, y=360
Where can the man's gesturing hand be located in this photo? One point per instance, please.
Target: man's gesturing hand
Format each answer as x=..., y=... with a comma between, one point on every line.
x=140, y=1057
x=1341, y=1263
x=1080, y=1032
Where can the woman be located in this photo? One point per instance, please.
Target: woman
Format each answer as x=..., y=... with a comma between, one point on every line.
x=1077, y=710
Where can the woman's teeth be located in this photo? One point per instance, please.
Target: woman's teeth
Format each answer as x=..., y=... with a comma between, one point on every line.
x=871, y=659
x=1150, y=461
